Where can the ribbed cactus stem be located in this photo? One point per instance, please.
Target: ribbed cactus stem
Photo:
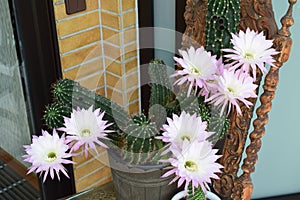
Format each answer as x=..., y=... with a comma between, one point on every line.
x=55, y=113
x=222, y=19
x=161, y=91
x=73, y=95
x=141, y=145
x=196, y=194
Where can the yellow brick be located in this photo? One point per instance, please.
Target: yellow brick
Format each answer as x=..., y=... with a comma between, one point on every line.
x=114, y=82
x=132, y=95
x=134, y=108
x=129, y=35
x=93, y=82
x=111, y=36
x=100, y=91
x=129, y=19
x=111, y=20
x=115, y=96
x=92, y=178
x=111, y=5
x=76, y=24
x=128, y=4
x=81, y=157
x=80, y=56
x=112, y=51
x=60, y=10
x=79, y=40
x=113, y=67
x=131, y=65
x=130, y=51
x=132, y=80
x=103, y=181
x=88, y=167
x=84, y=70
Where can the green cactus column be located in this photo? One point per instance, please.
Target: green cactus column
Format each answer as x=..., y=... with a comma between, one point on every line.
x=222, y=19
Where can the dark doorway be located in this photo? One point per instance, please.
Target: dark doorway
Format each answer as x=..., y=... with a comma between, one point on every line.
x=37, y=49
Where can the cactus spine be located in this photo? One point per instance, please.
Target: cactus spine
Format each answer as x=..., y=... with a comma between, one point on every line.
x=73, y=95
x=54, y=114
x=222, y=19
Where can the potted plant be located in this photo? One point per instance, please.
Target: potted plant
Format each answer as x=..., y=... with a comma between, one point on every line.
x=174, y=142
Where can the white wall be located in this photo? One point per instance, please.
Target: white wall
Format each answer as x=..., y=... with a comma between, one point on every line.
x=164, y=34
x=278, y=168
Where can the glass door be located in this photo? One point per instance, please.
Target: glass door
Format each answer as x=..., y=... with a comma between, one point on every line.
x=15, y=131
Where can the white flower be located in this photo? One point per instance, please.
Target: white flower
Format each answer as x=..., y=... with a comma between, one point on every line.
x=195, y=163
x=47, y=153
x=198, y=67
x=184, y=127
x=231, y=87
x=85, y=128
x=251, y=49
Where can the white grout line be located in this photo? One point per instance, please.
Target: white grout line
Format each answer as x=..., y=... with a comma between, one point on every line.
x=92, y=172
x=83, y=63
x=102, y=46
x=117, y=30
x=120, y=13
x=90, y=75
x=78, y=32
x=90, y=160
x=59, y=2
x=80, y=48
x=77, y=15
x=97, y=182
x=120, y=62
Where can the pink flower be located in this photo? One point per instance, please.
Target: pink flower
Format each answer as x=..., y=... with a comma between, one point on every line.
x=48, y=153
x=251, y=49
x=231, y=87
x=198, y=67
x=85, y=128
x=194, y=163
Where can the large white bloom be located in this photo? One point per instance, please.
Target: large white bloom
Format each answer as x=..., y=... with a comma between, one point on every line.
x=184, y=127
x=231, y=87
x=198, y=66
x=195, y=163
x=47, y=153
x=85, y=128
x=251, y=49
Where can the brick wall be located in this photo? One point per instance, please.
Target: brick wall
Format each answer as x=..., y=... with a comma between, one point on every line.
x=98, y=48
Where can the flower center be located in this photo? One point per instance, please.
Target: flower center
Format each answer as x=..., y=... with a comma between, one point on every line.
x=230, y=90
x=51, y=156
x=196, y=71
x=185, y=137
x=86, y=133
x=191, y=166
x=249, y=56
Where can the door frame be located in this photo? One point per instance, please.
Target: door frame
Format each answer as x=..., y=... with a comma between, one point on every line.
x=38, y=54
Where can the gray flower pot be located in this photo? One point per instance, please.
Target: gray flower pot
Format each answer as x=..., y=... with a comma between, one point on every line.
x=140, y=182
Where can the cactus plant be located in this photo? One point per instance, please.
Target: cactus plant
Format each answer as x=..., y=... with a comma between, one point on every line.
x=222, y=19
x=54, y=114
x=135, y=135
x=141, y=145
x=71, y=94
